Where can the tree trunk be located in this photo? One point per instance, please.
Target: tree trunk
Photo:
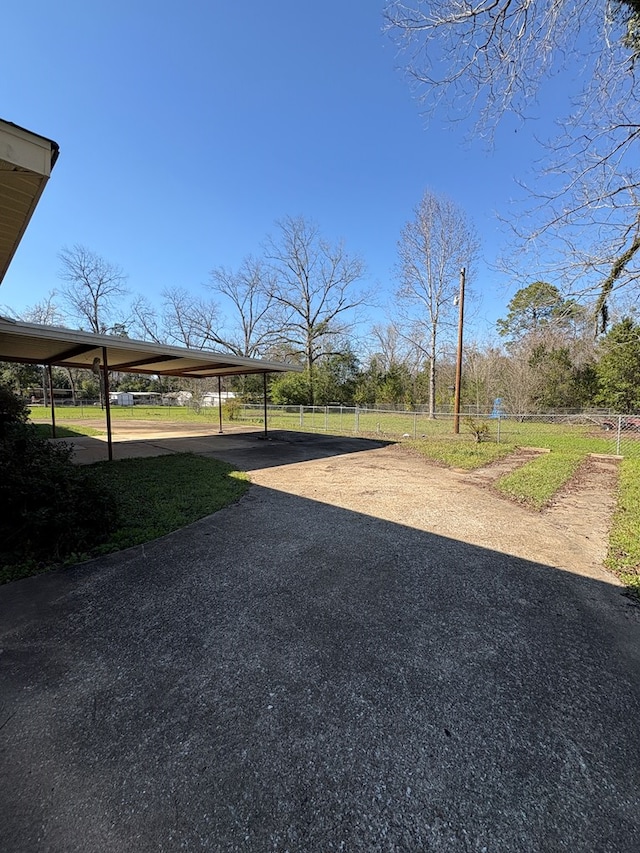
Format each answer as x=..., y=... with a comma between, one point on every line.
x=432, y=374
x=310, y=374
x=73, y=387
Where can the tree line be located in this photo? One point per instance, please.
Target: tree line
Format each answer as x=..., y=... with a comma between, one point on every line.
x=305, y=299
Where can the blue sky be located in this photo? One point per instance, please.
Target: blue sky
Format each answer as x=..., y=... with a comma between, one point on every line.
x=187, y=129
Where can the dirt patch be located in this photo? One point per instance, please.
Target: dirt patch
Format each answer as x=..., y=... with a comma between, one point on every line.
x=488, y=474
x=392, y=484
x=586, y=503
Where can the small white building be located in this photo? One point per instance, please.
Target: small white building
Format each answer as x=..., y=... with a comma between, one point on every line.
x=121, y=398
x=146, y=398
x=177, y=398
x=211, y=398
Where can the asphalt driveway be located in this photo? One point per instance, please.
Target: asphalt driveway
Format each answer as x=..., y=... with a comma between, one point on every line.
x=309, y=671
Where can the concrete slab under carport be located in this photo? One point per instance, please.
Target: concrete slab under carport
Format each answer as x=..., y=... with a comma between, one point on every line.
x=299, y=673
x=244, y=447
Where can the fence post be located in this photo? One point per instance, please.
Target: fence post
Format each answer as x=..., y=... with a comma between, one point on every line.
x=301, y=416
x=498, y=427
x=356, y=426
x=326, y=418
x=618, y=436
x=415, y=425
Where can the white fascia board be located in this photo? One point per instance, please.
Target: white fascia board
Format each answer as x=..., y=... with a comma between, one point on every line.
x=25, y=150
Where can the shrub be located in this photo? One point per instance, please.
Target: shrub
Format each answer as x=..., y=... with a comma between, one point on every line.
x=478, y=429
x=13, y=411
x=51, y=508
x=232, y=410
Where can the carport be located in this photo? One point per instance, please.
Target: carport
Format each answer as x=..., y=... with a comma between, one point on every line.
x=52, y=346
x=26, y=161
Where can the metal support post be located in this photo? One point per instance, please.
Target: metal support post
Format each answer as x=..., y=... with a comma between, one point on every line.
x=53, y=408
x=107, y=402
x=264, y=391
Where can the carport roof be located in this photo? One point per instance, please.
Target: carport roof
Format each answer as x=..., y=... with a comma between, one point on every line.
x=29, y=343
x=26, y=161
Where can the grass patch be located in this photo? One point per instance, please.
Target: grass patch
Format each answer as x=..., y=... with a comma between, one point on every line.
x=623, y=557
x=632, y=582
x=44, y=431
x=163, y=493
x=536, y=482
x=154, y=496
x=172, y=414
x=459, y=453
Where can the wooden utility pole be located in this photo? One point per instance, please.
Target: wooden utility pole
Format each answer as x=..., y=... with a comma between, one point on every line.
x=456, y=402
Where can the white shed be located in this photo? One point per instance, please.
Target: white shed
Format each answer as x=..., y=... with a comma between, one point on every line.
x=121, y=398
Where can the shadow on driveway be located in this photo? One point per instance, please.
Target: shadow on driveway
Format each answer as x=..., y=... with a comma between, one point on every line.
x=247, y=450
x=287, y=675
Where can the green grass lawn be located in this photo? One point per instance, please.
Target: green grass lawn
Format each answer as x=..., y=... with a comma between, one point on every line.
x=174, y=414
x=460, y=453
x=536, y=482
x=163, y=493
x=623, y=557
x=155, y=496
x=75, y=431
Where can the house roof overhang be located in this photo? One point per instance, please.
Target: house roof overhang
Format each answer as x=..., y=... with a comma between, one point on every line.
x=26, y=161
x=30, y=343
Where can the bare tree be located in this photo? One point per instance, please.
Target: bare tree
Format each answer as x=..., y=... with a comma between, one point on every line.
x=249, y=290
x=389, y=347
x=395, y=352
x=93, y=289
x=46, y=312
x=145, y=323
x=483, y=58
x=432, y=248
x=484, y=366
x=315, y=290
x=188, y=320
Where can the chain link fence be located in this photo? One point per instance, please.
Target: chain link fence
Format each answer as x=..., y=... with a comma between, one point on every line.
x=591, y=432
x=617, y=435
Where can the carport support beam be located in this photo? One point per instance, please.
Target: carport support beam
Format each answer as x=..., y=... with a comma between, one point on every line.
x=107, y=402
x=264, y=394
x=53, y=408
x=220, y=404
